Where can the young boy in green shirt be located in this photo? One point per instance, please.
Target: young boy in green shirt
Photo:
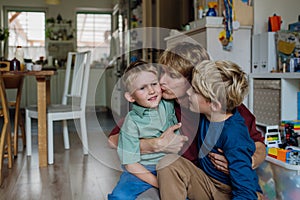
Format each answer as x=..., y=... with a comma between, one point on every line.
x=149, y=118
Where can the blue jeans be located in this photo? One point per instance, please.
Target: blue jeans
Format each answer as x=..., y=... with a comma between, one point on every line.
x=130, y=186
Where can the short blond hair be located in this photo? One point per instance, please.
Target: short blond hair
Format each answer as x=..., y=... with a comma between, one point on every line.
x=183, y=57
x=132, y=71
x=221, y=81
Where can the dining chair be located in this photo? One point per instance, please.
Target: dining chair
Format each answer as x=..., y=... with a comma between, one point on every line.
x=5, y=137
x=73, y=104
x=16, y=83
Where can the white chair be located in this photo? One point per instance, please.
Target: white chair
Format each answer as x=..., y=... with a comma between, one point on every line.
x=73, y=104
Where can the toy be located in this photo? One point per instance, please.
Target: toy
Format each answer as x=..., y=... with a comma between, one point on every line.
x=272, y=136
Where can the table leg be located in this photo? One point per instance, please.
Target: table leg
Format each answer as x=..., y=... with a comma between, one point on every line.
x=48, y=91
x=42, y=121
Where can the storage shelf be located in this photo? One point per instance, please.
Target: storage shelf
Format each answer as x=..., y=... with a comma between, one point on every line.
x=289, y=87
x=294, y=75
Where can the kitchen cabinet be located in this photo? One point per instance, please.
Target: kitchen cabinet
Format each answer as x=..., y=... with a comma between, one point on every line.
x=96, y=96
x=274, y=97
x=96, y=90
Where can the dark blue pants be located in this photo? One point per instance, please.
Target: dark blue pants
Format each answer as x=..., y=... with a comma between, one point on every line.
x=130, y=186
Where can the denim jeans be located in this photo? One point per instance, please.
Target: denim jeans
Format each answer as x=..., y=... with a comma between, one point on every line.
x=130, y=186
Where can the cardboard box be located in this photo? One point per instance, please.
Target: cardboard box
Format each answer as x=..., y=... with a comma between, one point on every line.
x=243, y=12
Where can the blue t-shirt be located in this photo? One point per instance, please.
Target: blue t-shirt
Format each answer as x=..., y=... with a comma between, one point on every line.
x=233, y=138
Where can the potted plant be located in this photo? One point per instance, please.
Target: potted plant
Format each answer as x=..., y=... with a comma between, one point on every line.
x=4, y=33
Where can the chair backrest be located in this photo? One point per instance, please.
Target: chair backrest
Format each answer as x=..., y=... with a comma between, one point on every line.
x=76, y=86
x=13, y=82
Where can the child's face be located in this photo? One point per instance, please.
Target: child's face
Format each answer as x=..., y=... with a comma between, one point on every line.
x=147, y=91
x=197, y=103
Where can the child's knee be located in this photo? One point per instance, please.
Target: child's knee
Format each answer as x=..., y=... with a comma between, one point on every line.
x=167, y=160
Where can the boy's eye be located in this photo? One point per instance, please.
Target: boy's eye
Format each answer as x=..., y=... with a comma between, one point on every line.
x=142, y=88
x=154, y=83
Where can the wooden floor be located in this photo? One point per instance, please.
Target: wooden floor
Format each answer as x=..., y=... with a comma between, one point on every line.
x=73, y=175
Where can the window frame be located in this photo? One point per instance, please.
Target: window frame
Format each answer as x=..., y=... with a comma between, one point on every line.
x=92, y=11
x=7, y=9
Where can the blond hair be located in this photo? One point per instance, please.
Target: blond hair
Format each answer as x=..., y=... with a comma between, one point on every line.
x=132, y=72
x=221, y=81
x=183, y=57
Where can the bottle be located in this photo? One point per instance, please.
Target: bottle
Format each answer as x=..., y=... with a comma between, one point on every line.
x=15, y=65
x=19, y=54
x=200, y=12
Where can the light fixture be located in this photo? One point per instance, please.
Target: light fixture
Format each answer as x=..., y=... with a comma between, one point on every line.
x=52, y=2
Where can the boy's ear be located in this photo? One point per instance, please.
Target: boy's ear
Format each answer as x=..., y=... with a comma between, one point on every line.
x=215, y=106
x=129, y=97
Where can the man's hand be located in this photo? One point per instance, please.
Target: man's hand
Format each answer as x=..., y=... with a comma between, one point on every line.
x=219, y=161
x=169, y=142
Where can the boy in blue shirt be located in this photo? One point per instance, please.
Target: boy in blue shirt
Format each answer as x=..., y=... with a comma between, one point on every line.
x=217, y=89
x=149, y=118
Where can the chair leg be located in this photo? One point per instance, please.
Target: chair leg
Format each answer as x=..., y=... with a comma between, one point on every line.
x=28, y=133
x=22, y=127
x=84, y=137
x=66, y=134
x=2, y=152
x=9, y=150
x=50, y=141
x=16, y=132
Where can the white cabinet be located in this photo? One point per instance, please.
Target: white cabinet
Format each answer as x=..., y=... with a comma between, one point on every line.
x=96, y=90
x=281, y=89
x=208, y=36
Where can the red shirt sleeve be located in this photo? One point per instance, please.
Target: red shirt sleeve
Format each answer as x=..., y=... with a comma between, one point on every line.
x=250, y=122
x=117, y=129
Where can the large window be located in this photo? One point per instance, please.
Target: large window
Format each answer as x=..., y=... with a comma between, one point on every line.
x=26, y=29
x=93, y=33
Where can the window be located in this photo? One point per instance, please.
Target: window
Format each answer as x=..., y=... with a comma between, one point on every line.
x=26, y=29
x=93, y=33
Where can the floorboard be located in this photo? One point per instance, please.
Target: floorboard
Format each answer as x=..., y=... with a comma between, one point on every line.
x=73, y=175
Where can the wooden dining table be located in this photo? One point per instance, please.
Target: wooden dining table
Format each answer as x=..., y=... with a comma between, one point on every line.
x=43, y=99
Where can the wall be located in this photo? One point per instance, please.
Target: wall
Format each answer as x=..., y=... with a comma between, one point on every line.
x=287, y=9
x=67, y=8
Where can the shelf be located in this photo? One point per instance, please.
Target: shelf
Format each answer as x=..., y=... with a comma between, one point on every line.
x=289, y=75
x=60, y=41
x=285, y=94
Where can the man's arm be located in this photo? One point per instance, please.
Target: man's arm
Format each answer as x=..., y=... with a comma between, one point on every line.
x=168, y=142
x=221, y=163
x=259, y=154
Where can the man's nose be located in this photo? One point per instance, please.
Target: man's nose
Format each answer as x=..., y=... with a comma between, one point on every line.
x=162, y=79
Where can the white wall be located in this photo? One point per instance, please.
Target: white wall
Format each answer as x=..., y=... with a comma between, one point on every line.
x=287, y=9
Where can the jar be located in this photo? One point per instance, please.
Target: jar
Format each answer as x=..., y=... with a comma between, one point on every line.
x=15, y=65
x=211, y=9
